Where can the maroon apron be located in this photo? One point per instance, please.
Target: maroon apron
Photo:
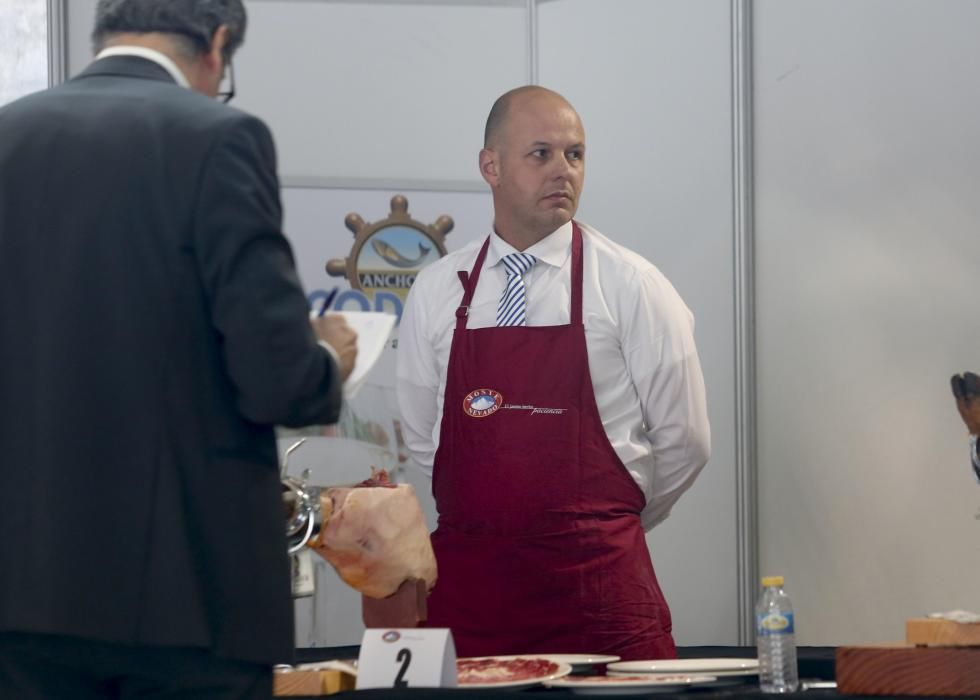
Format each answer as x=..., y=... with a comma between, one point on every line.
x=539, y=542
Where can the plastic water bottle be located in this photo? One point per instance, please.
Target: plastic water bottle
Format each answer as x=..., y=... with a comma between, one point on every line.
x=775, y=639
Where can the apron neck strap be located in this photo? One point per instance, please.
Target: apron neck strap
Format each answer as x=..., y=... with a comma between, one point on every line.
x=469, y=285
x=576, y=310
x=469, y=280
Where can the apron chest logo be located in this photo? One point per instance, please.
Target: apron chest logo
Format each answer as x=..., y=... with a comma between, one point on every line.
x=482, y=402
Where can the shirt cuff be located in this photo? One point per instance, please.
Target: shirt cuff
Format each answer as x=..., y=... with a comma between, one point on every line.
x=333, y=353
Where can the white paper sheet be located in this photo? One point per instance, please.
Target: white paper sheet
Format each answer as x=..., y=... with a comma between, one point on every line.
x=373, y=329
x=961, y=616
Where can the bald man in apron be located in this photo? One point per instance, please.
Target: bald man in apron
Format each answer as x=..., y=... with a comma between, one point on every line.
x=572, y=410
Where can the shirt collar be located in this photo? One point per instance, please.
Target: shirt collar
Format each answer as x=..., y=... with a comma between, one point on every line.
x=160, y=59
x=553, y=249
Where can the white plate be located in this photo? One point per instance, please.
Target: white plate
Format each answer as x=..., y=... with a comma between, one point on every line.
x=582, y=662
x=563, y=670
x=714, y=667
x=628, y=685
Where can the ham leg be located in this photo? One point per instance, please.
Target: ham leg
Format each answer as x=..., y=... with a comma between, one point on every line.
x=374, y=534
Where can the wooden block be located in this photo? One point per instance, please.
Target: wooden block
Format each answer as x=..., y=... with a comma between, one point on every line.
x=336, y=682
x=926, y=631
x=296, y=683
x=908, y=670
x=404, y=608
x=285, y=683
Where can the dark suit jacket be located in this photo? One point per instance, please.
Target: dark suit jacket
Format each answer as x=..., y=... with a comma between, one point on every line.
x=152, y=332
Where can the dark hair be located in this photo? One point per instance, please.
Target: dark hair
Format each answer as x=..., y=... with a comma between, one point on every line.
x=193, y=22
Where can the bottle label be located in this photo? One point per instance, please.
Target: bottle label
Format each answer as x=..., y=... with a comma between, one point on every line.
x=774, y=623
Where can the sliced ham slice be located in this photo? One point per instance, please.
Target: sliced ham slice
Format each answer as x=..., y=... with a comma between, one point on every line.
x=374, y=534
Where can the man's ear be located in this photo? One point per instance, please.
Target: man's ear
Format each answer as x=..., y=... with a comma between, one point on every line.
x=490, y=166
x=215, y=55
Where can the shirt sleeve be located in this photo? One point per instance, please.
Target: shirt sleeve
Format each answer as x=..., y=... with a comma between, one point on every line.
x=662, y=360
x=417, y=381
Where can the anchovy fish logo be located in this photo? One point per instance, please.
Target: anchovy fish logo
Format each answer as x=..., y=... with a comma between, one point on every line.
x=396, y=259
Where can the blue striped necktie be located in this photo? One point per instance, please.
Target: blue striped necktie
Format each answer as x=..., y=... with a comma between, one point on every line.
x=512, y=310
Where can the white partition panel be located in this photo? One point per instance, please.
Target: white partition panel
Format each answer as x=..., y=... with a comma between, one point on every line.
x=379, y=91
x=365, y=92
x=868, y=159
x=652, y=82
x=79, y=21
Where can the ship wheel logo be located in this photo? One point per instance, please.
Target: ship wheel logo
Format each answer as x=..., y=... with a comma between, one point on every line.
x=388, y=254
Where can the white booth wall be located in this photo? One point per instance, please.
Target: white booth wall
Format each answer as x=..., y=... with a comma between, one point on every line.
x=868, y=272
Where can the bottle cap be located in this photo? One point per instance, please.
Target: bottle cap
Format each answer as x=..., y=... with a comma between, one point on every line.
x=772, y=580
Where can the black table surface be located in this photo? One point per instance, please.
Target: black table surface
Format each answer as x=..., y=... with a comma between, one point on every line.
x=815, y=664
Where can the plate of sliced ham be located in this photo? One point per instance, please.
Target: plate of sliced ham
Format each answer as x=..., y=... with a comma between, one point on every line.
x=508, y=671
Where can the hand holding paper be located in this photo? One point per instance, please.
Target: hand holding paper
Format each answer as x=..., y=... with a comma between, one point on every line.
x=334, y=330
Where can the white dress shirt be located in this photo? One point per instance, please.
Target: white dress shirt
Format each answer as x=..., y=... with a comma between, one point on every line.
x=160, y=59
x=640, y=338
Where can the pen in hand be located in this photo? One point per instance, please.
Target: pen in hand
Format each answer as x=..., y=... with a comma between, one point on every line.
x=335, y=333
x=331, y=295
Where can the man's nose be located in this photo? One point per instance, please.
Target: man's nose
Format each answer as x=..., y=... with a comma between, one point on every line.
x=563, y=167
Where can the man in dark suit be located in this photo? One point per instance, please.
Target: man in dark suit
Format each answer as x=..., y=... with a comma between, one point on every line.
x=152, y=333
